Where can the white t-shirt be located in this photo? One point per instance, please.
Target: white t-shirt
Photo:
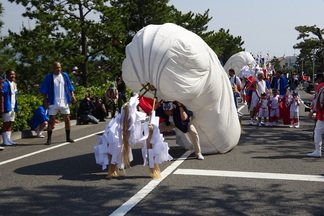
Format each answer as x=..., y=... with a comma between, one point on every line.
x=274, y=100
x=13, y=89
x=60, y=99
x=263, y=103
x=236, y=80
x=294, y=104
x=261, y=86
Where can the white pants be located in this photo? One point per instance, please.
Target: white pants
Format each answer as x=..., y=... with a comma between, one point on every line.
x=8, y=117
x=294, y=114
x=263, y=112
x=53, y=109
x=274, y=112
x=192, y=132
x=318, y=131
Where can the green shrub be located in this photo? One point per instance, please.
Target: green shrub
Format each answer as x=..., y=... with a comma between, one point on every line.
x=27, y=103
x=26, y=106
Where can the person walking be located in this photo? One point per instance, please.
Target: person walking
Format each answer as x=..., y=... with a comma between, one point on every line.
x=259, y=86
x=236, y=85
x=58, y=91
x=294, y=103
x=318, y=107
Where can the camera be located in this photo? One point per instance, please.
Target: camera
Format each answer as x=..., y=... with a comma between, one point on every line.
x=307, y=106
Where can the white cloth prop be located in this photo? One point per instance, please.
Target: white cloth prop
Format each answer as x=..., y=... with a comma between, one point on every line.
x=111, y=142
x=246, y=72
x=238, y=61
x=159, y=152
x=182, y=67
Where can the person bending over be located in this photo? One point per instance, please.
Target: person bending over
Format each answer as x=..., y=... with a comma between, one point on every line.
x=176, y=115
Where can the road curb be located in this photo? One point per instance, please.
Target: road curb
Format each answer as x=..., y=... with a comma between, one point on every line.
x=30, y=134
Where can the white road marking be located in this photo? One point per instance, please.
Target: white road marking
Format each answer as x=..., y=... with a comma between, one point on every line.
x=47, y=149
x=241, y=107
x=129, y=204
x=257, y=175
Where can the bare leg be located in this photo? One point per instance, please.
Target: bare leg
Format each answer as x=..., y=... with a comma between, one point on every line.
x=50, y=128
x=66, y=118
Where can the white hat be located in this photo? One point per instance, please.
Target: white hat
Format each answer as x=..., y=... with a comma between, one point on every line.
x=75, y=68
x=260, y=72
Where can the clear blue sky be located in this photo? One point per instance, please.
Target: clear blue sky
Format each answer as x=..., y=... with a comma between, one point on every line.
x=265, y=26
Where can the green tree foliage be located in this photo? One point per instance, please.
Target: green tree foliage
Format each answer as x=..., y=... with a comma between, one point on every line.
x=66, y=31
x=91, y=35
x=7, y=59
x=311, y=45
x=197, y=23
x=225, y=44
x=136, y=14
x=1, y=12
x=275, y=62
x=88, y=34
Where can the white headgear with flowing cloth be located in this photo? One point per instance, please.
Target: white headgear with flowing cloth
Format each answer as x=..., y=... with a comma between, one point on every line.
x=182, y=67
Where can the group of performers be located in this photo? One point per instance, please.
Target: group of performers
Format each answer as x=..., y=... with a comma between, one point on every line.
x=268, y=95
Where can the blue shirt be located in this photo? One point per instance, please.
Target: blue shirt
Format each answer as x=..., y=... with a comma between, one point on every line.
x=39, y=117
x=267, y=84
x=283, y=84
x=47, y=87
x=7, y=98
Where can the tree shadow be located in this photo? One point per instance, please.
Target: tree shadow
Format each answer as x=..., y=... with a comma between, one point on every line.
x=84, y=167
x=229, y=199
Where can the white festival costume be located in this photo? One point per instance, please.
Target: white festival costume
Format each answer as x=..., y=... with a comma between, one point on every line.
x=182, y=67
x=111, y=142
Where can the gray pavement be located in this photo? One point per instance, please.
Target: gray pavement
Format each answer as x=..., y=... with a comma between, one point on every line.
x=63, y=179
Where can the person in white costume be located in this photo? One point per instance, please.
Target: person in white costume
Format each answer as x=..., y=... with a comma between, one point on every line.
x=182, y=67
x=259, y=86
x=274, y=108
x=112, y=142
x=263, y=109
x=294, y=103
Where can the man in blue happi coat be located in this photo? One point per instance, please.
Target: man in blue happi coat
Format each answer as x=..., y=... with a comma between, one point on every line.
x=58, y=92
x=281, y=83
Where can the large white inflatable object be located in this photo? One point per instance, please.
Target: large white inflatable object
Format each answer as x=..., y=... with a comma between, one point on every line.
x=239, y=60
x=182, y=67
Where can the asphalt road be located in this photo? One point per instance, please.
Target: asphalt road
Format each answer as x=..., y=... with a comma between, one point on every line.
x=268, y=173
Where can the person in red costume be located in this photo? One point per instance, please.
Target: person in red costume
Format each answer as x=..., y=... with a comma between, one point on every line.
x=318, y=106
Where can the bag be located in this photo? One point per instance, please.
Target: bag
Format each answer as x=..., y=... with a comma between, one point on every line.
x=239, y=88
x=234, y=88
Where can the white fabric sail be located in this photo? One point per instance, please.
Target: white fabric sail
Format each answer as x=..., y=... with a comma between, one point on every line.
x=182, y=67
x=238, y=61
